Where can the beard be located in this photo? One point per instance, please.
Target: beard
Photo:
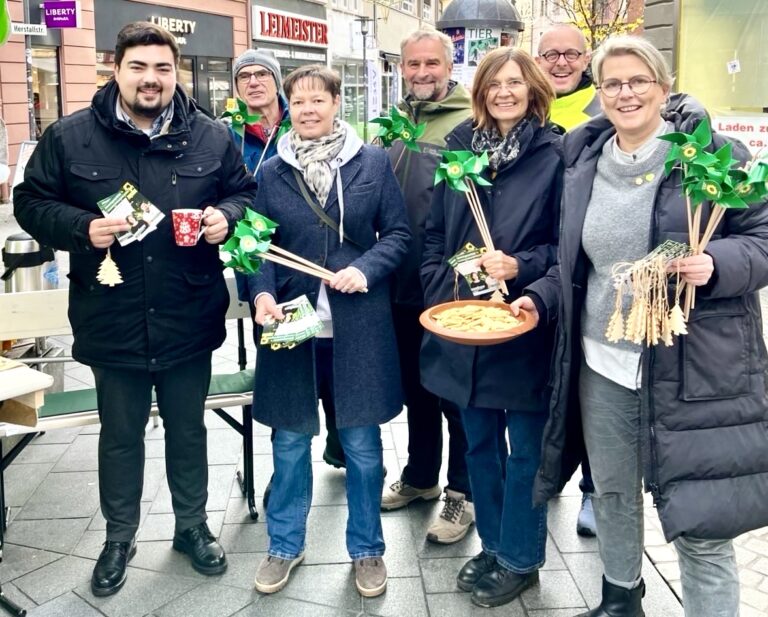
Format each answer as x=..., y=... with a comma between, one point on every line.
x=147, y=110
x=429, y=91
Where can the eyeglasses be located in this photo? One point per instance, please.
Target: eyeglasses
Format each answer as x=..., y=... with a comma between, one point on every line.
x=262, y=77
x=638, y=85
x=571, y=55
x=511, y=84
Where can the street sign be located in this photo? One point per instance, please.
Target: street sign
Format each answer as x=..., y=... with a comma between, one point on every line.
x=29, y=29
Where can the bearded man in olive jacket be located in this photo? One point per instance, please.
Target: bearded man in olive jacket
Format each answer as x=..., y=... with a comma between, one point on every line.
x=434, y=99
x=158, y=328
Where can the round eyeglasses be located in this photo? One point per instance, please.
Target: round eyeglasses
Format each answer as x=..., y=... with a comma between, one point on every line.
x=571, y=55
x=637, y=85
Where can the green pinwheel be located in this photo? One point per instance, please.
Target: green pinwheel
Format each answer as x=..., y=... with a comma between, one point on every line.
x=460, y=165
x=5, y=21
x=398, y=126
x=690, y=149
x=251, y=239
x=284, y=127
x=239, y=115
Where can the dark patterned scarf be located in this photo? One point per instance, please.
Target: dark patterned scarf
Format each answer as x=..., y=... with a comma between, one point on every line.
x=500, y=149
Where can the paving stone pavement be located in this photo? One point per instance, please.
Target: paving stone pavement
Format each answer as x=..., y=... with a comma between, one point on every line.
x=56, y=533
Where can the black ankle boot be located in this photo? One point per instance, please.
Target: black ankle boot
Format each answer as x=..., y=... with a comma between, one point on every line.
x=619, y=602
x=475, y=569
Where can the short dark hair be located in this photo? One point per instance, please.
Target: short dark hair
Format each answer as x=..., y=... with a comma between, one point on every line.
x=327, y=78
x=144, y=33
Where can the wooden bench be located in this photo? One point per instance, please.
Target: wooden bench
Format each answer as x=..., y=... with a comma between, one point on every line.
x=43, y=314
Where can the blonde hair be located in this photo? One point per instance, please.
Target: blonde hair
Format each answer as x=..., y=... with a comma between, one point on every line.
x=540, y=91
x=626, y=45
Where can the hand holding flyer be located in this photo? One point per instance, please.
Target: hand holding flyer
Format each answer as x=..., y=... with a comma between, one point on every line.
x=135, y=209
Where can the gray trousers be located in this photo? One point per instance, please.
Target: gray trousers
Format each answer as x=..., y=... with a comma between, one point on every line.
x=611, y=423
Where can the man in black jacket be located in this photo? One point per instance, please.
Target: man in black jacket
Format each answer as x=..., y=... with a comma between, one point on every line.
x=158, y=328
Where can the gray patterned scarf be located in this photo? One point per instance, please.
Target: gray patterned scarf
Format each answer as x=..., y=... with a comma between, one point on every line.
x=315, y=156
x=500, y=150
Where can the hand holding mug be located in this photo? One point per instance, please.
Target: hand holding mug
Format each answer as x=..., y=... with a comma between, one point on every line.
x=216, y=225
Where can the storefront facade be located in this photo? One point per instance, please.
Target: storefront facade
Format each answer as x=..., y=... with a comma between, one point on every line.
x=717, y=49
x=68, y=65
x=295, y=31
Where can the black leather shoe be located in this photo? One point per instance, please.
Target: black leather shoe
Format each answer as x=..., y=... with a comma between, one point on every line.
x=109, y=574
x=199, y=543
x=501, y=586
x=472, y=571
x=619, y=602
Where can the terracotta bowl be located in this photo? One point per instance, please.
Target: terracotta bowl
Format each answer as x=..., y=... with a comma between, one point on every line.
x=427, y=319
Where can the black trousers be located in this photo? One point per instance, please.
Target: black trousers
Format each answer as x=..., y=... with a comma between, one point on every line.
x=425, y=415
x=124, y=399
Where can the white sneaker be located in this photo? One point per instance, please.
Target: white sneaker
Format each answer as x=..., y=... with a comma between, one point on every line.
x=454, y=521
x=400, y=494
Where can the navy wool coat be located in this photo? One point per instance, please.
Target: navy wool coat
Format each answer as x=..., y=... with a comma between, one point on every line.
x=365, y=362
x=522, y=210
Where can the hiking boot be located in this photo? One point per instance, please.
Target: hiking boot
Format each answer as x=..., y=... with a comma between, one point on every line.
x=273, y=573
x=400, y=494
x=370, y=576
x=454, y=521
x=585, y=524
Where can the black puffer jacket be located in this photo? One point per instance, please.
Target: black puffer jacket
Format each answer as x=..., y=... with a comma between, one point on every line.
x=704, y=403
x=522, y=210
x=172, y=302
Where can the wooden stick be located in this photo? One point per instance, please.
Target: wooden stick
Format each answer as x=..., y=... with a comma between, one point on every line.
x=482, y=224
x=399, y=158
x=714, y=220
x=289, y=263
x=298, y=259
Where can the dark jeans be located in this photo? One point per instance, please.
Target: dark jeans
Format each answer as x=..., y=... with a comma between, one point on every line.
x=425, y=415
x=510, y=527
x=124, y=399
x=585, y=484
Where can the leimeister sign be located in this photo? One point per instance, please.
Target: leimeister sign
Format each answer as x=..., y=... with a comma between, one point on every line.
x=291, y=28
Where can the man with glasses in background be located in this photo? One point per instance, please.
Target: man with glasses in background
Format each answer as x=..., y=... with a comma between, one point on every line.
x=564, y=58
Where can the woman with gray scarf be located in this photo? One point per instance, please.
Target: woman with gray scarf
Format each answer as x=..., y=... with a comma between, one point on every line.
x=337, y=204
x=500, y=389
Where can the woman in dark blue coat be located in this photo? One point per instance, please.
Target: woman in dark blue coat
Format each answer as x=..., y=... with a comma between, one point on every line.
x=352, y=365
x=503, y=387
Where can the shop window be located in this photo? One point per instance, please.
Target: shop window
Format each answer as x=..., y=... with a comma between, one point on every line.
x=722, y=54
x=185, y=75
x=105, y=67
x=45, y=87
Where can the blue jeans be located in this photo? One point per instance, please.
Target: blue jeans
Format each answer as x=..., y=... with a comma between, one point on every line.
x=611, y=419
x=291, y=495
x=509, y=525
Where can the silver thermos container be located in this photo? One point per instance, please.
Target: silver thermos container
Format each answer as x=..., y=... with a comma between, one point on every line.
x=28, y=266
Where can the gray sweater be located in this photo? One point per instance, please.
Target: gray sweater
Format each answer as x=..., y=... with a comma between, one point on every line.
x=617, y=228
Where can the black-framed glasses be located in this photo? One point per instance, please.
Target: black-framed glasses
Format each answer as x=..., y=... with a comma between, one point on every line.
x=571, y=55
x=261, y=76
x=639, y=84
